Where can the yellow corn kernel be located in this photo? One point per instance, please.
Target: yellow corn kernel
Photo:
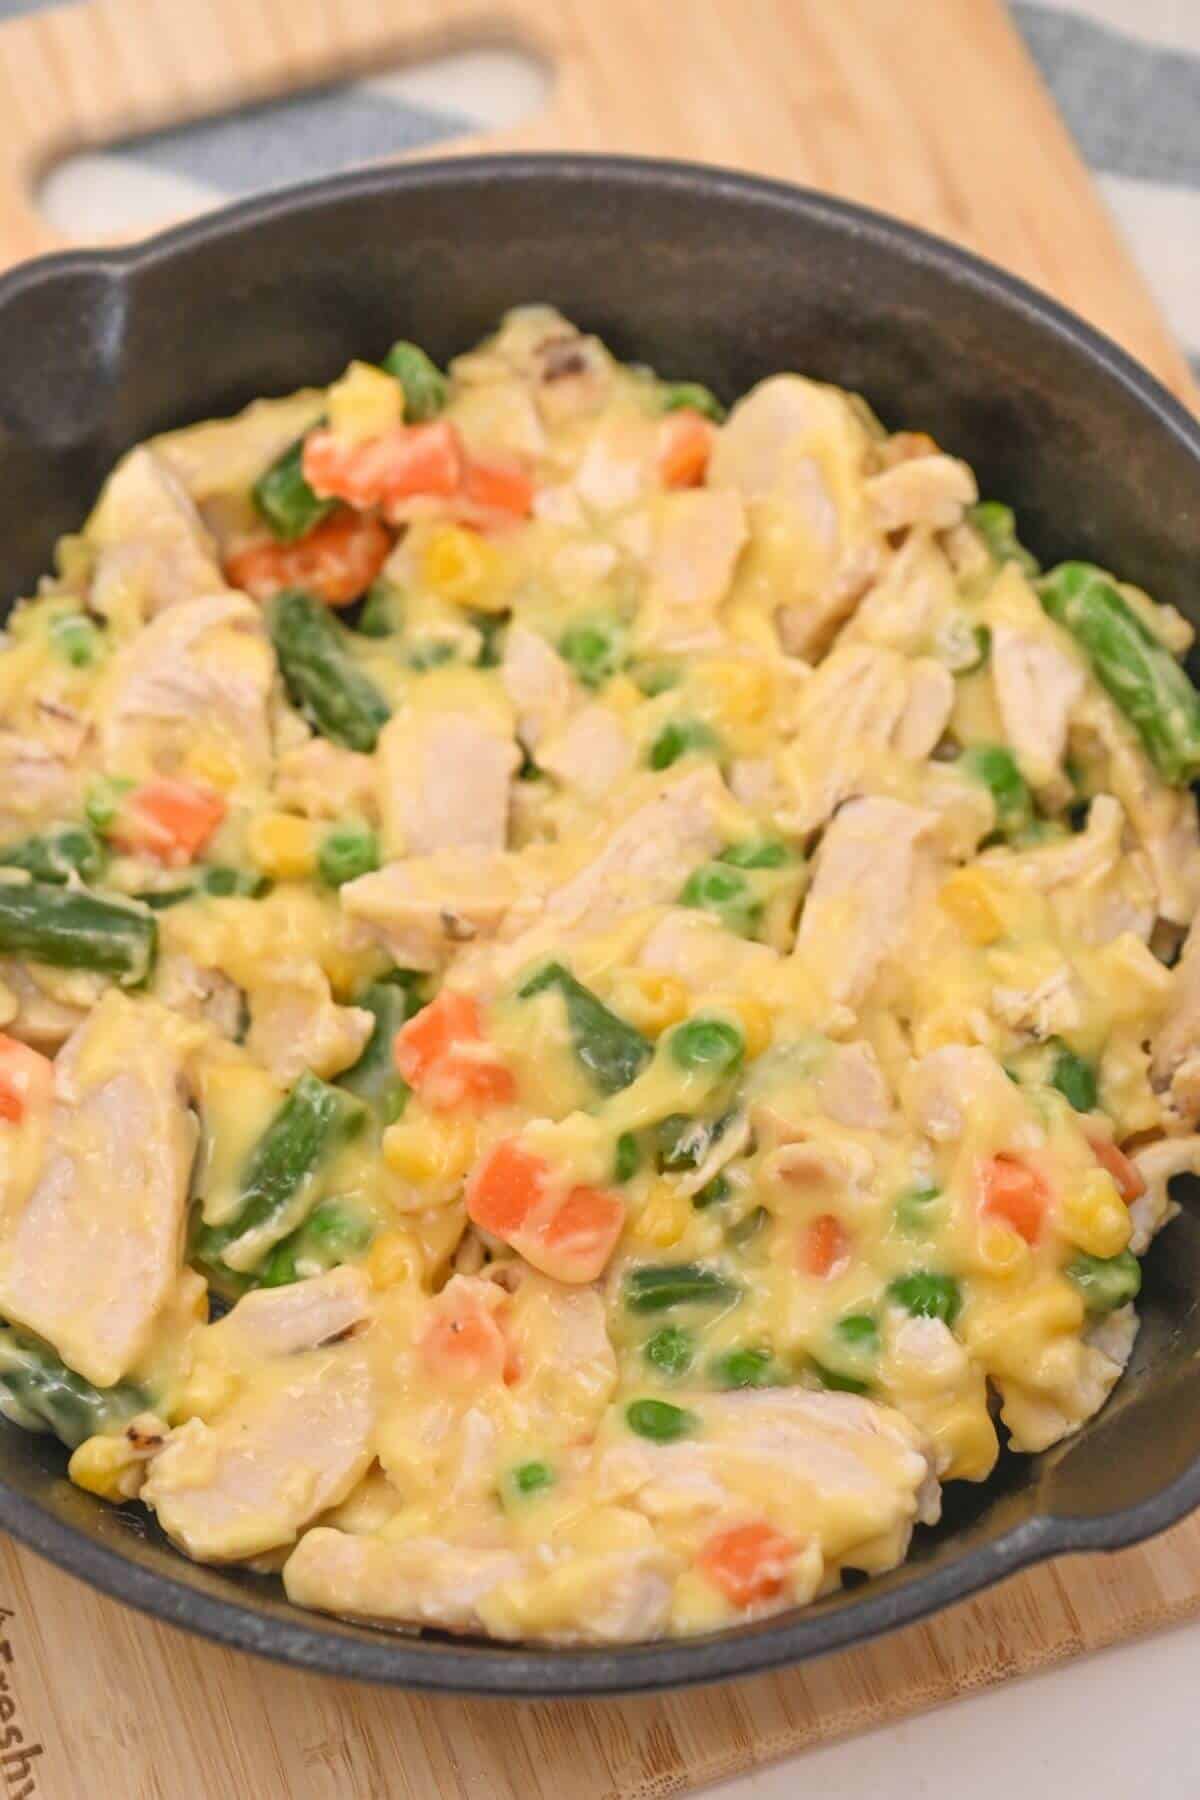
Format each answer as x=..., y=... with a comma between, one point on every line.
x=650, y=1000
x=459, y=565
x=742, y=692
x=664, y=1218
x=754, y=1019
x=1003, y=1252
x=364, y=403
x=623, y=694
x=429, y=1149
x=107, y=1466
x=282, y=846
x=207, y=761
x=968, y=897
x=394, y=1260
x=1095, y=1217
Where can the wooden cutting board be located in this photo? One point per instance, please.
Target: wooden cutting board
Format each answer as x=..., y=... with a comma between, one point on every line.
x=932, y=112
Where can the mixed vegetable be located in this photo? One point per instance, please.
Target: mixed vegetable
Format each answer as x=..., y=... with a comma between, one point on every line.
x=597, y=990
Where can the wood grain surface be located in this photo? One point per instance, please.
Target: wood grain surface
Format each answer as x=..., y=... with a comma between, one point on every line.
x=932, y=112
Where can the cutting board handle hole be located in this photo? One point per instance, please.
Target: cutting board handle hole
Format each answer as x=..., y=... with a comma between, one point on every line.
x=136, y=184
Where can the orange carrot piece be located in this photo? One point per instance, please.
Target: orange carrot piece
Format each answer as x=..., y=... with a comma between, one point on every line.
x=410, y=460
x=686, y=439
x=499, y=487
x=170, y=819
x=337, y=561
x=824, y=1247
x=463, y=1341
x=578, y=1238
x=1125, y=1173
x=505, y=1188
x=26, y=1079
x=1014, y=1192
x=447, y=1022
x=748, y=1563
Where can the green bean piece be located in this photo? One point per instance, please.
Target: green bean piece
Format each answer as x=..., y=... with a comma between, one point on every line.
x=609, y=1048
x=997, y=526
x=334, y=695
x=76, y=930
x=1106, y=1282
x=374, y=1078
x=757, y=853
x=692, y=396
x=382, y=612
x=218, y=880
x=332, y=1234
x=659, y=1421
x=725, y=893
x=707, y=1045
x=656, y=1286
x=432, y=655
x=1142, y=677
x=748, y=1227
x=712, y=1193
x=77, y=639
x=425, y=387
x=46, y=1395
x=682, y=737
x=1074, y=1077
x=348, y=851
x=671, y=1350
x=626, y=1157
x=996, y=768
x=285, y=500
x=684, y=1142
x=744, y=1369
x=310, y=1125
x=57, y=855
x=928, y=1295
x=917, y=1209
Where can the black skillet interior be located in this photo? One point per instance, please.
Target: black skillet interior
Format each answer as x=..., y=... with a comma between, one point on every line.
x=704, y=275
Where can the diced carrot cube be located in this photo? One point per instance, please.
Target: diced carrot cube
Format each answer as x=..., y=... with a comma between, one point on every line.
x=26, y=1079
x=825, y=1246
x=499, y=488
x=748, y=1563
x=170, y=819
x=337, y=561
x=579, y=1236
x=1014, y=1192
x=686, y=439
x=447, y=1022
x=505, y=1188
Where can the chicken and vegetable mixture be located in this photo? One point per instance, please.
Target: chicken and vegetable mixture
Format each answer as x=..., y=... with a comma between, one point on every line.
x=596, y=995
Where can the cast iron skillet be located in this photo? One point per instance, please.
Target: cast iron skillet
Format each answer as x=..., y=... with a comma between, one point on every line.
x=702, y=274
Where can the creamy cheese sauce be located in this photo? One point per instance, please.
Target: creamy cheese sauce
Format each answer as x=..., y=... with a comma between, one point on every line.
x=592, y=990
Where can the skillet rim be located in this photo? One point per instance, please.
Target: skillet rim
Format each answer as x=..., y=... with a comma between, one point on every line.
x=309, y=1642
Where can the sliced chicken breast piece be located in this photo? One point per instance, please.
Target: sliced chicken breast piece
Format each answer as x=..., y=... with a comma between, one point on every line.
x=426, y=908
x=538, y=682
x=36, y=783
x=933, y=491
x=1038, y=685
x=295, y=1023
x=1163, y=819
x=305, y=1315
x=853, y=1090
x=205, y=666
x=446, y=779
x=325, y=781
x=869, y=874
x=416, y=1581
x=1175, y=1058
x=697, y=538
x=592, y=754
x=153, y=548
x=91, y=1257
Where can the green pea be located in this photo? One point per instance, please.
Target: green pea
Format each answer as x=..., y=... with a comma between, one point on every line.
x=595, y=649
x=659, y=1421
x=996, y=768
x=346, y=852
x=626, y=1157
x=532, y=1477
x=743, y=1369
x=425, y=387
x=726, y=894
x=1106, y=1282
x=917, y=1209
x=103, y=801
x=681, y=737
x=1074, y=1077
x=433, y=655
x=77, y=639
x=859, y=1331
x=928, y=1295
x=670, y=1350
x=684, y=1142
x=707, y=1046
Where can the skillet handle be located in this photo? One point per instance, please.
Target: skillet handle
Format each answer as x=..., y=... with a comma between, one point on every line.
x=94, y=72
